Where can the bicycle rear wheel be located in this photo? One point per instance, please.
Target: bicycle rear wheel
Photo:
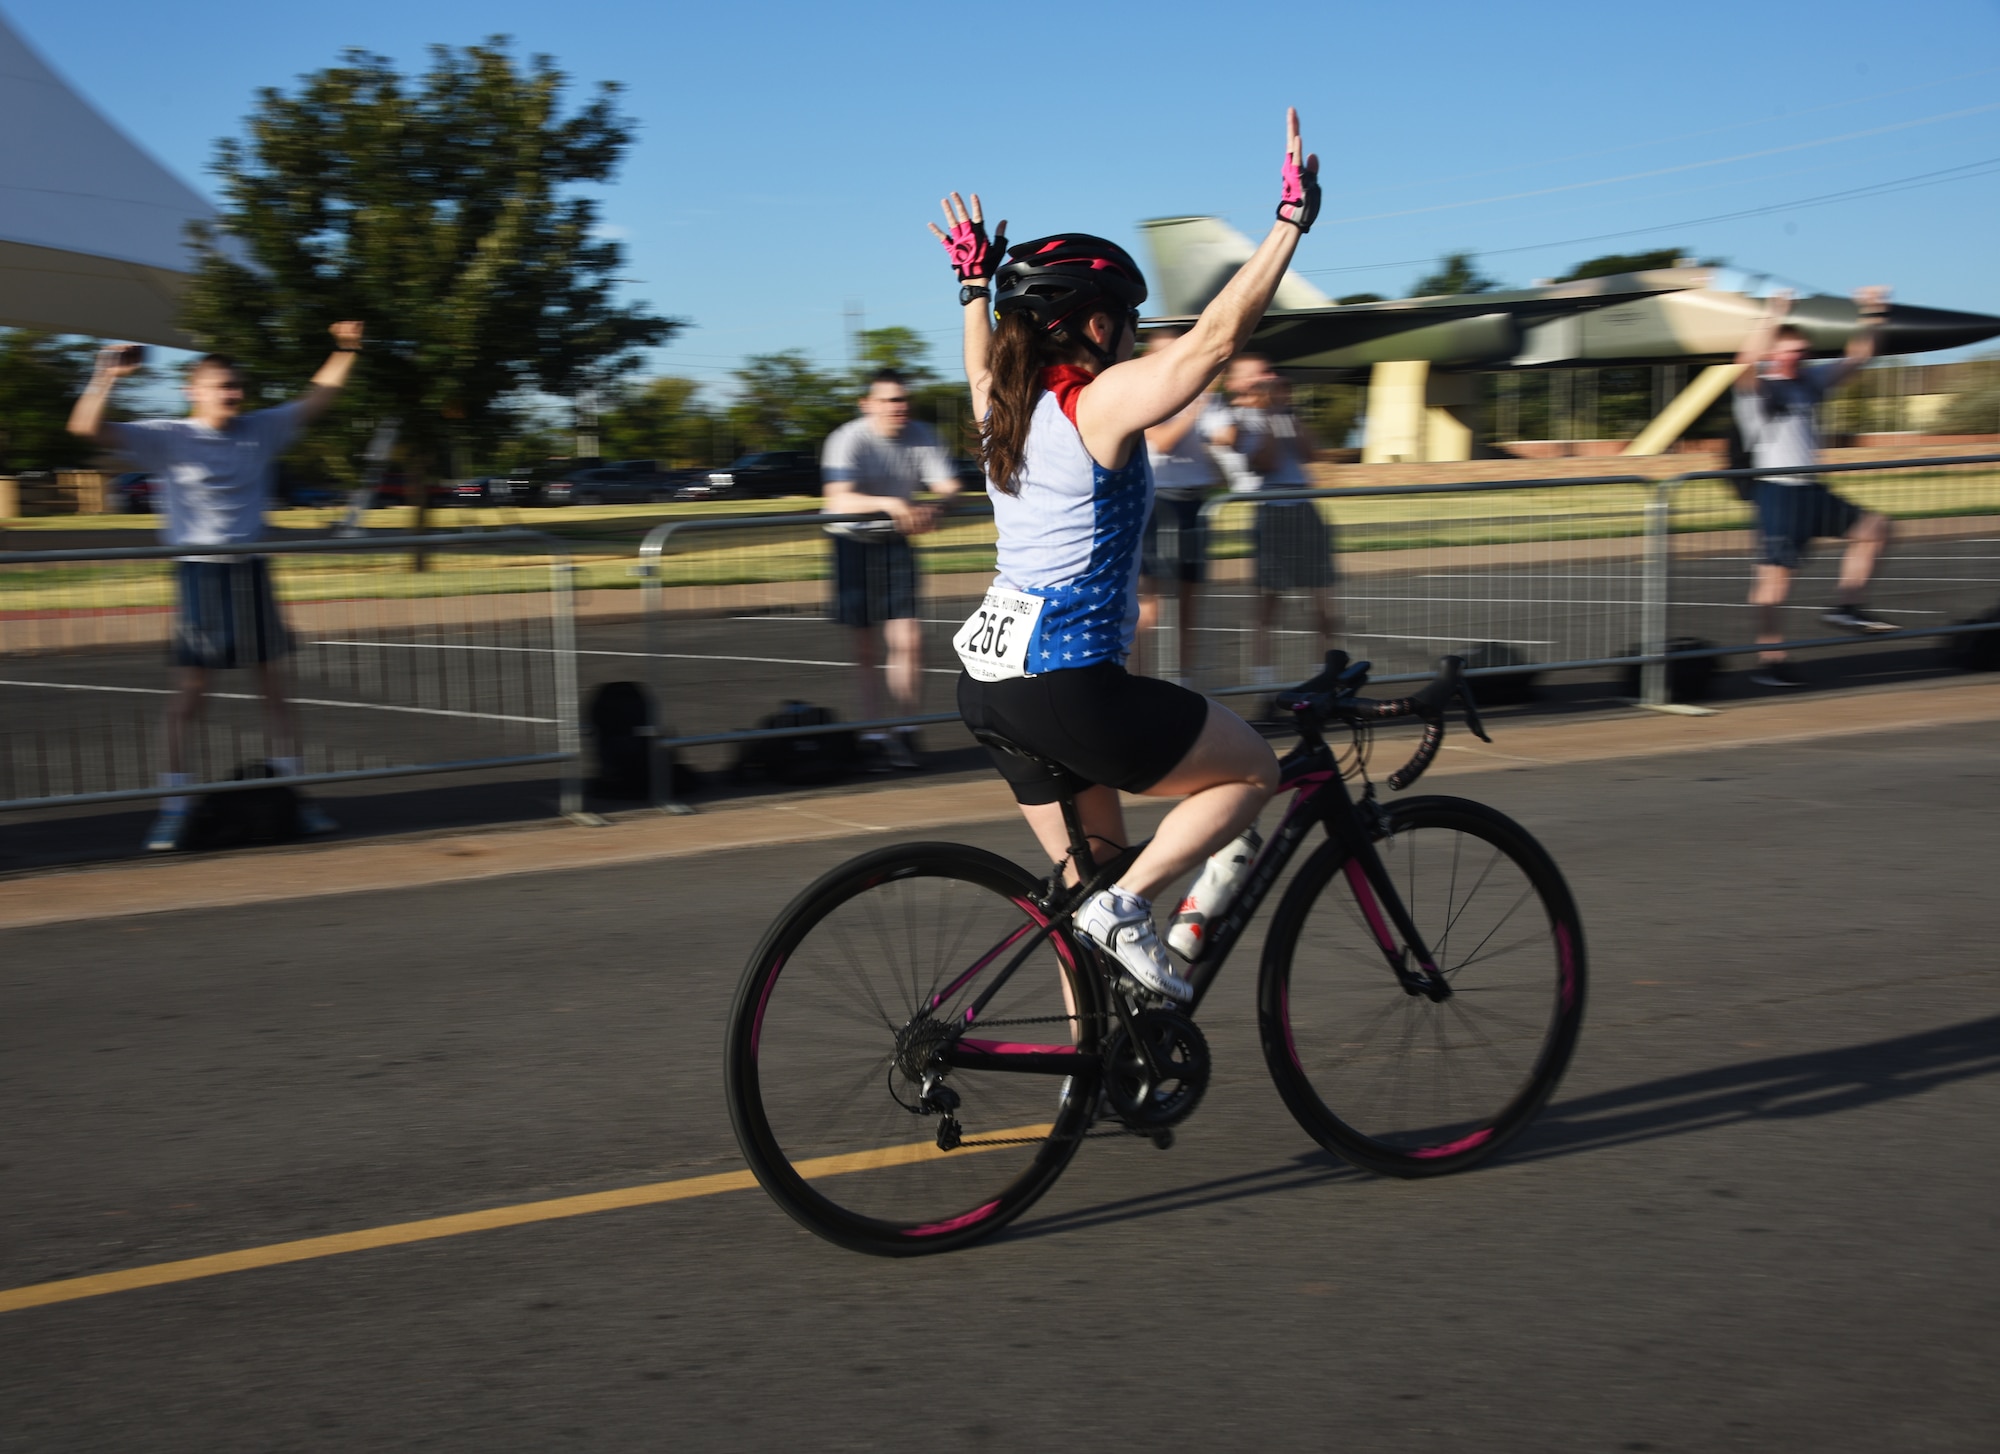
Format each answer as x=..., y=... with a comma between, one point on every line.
x=1395, y=1082
x=826, y=1047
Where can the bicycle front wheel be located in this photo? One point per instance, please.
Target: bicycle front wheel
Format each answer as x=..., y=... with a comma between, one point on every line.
x=829, y=1042
x=1393, y=1081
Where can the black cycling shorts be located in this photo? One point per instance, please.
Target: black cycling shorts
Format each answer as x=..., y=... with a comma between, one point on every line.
x=1101, y=723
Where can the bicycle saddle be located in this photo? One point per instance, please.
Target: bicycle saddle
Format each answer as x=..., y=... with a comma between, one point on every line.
x=987, y=737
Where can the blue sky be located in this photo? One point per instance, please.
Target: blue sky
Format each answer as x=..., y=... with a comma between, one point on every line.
x=788, y=155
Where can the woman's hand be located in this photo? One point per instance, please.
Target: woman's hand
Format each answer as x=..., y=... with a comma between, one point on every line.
x=973, y=257
x=1299, y=204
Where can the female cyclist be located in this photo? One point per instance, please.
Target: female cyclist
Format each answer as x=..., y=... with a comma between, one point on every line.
x=1065, y=407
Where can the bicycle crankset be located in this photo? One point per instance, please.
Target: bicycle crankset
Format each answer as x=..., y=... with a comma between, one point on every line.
x=1142, y=1099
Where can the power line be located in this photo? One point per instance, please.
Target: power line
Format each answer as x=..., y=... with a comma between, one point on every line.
x=1963, y=173
x=1678, y=167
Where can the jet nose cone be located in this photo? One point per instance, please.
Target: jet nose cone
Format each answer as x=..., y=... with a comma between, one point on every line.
x=1910, y=329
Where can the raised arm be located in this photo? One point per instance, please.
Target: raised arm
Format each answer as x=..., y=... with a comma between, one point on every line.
x=974, y=260
x=1872, y=304
x=86, y=420
x=1132, y=396
x=1757, y=342
x=332, y=375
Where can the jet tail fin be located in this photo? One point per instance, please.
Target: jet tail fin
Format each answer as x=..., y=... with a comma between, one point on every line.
x=1194, y=256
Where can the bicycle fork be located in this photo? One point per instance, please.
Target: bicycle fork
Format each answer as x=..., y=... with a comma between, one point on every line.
x=1408, y=957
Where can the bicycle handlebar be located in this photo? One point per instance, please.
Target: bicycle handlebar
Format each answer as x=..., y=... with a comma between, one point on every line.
x=1334, y=694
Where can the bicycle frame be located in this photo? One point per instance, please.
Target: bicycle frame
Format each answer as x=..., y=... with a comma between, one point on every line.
x=1319, y=797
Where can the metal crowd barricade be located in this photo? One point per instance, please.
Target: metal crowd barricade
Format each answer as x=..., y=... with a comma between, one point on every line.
x=465, y=666
x=1549, y=574
x=1942, y=563
x=749, y=599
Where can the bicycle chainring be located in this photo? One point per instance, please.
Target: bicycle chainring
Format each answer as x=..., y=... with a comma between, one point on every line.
x=1141, y=1099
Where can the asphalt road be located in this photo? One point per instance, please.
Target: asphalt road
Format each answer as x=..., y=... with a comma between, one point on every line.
x=1760, y=1214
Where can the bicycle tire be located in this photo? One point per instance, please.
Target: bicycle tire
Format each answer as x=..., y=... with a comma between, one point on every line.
x=1396, y=1083
x=817, y=1094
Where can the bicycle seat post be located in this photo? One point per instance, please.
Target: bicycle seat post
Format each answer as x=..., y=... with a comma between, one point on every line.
x=1079, y=843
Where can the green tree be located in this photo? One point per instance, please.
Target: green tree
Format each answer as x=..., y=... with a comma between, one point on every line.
x=1623, y=262
x=899, y=348
x=663, y=419
x=441, y=210
x=40, y=377
x=783, y=402
x=1456, y=272
x=1348, y=298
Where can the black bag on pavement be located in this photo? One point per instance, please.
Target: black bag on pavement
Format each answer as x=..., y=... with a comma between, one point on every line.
x=1691, y=680
x=1975, y=650
x=254, y=818
x=1511, y=690
x=619, y=711
x=798, y=761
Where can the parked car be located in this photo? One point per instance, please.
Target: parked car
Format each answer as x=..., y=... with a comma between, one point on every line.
x=767, y=473
x=493, y=490
x=134, y=494
x=624, y=482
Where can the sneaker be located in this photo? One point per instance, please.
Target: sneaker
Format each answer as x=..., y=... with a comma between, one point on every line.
x=1122, y=926
x=901, y=749
x=1857, y=618
x=875, y=752
x=167, y=830
x=313, y=820
x=1777, y=674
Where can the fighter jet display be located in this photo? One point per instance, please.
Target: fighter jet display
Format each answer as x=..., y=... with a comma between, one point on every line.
x=1663, y=315
x=1409, y=348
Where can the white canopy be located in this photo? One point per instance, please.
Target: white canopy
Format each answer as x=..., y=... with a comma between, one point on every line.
x=92, y=230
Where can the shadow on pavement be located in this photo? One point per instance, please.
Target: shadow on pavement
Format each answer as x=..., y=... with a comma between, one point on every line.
x=1817, y=1083
x=1784, y=1087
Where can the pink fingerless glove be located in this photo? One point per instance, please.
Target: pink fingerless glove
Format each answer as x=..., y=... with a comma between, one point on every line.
x=972, y=256
x=1300, y=203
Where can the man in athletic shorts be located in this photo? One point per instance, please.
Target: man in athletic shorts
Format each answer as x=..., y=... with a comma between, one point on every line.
x=1778, y=394
x=1294, y=542
x=875, y=464
x=1176, y=544
x=214, y=469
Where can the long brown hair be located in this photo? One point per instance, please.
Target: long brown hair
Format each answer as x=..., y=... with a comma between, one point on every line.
x=1021, y=350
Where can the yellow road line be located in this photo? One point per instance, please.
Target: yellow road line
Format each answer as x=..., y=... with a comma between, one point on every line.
x=398, y=1233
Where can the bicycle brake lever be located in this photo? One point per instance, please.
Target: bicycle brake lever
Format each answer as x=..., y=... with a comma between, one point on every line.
x=1472, y=721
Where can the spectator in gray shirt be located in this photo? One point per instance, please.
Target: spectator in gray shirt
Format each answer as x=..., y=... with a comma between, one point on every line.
x=876, y=464
x=1778, y=394
x=214, y=471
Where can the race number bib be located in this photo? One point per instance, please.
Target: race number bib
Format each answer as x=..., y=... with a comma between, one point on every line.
x=993, y=642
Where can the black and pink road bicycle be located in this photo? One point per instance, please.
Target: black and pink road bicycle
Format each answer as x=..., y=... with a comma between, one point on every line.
x=920, y=1043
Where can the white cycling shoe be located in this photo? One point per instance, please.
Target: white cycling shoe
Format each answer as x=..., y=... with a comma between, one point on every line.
x=1121, y=924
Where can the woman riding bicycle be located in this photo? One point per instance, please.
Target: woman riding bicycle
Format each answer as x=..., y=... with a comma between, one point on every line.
x=1065, y=406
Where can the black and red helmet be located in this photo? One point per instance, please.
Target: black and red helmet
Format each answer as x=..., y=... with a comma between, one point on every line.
x=1061, y=278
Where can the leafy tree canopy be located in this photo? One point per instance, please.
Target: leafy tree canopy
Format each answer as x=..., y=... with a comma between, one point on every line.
x=1623, y=262
x=440, y=209
x=40, y=377
x=1456, y=272
x=898, y=348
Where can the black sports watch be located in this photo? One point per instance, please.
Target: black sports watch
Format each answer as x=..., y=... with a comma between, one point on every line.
x=972, y=293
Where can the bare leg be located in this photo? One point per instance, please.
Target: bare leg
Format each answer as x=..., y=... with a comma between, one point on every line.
x=1260, y=639
x=1767, y=594
x=1326, y=619
x=1185, y=631
x=190, y=688
x=281, y=718
x=867, y=663
x=1865, y=543
x=905, y=638
x=1224, y=782
x=1103, y=820
x=1149, y=622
